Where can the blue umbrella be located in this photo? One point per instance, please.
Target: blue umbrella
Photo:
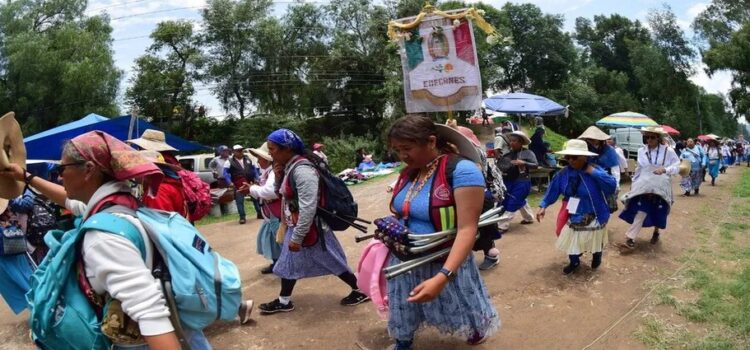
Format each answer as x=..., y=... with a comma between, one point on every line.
x=521, y=103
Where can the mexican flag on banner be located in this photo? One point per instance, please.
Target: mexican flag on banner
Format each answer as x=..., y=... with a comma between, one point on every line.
x=441, y=70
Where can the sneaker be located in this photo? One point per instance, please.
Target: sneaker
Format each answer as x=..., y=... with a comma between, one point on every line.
x=570, y=268
x=242, y=221
x=686, y=194
x=655, y=237
x=696, y=192
x=596, y=261
x=246, y=308
x=401, y=345
x=354, y=298
x=630, y=243
x=489, y=262
x=476, y=339
x=275, y=306
x=266, y=270
x=527, y=222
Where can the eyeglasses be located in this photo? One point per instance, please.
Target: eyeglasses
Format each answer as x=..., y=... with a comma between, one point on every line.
x=569, y=157
x=61, y=167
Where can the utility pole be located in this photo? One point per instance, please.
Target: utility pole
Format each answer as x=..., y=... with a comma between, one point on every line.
x=698, y=108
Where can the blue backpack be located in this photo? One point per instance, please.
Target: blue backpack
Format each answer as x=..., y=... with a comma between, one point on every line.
x=201, y=285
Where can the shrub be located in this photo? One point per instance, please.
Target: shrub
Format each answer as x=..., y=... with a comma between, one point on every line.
x=341, y=150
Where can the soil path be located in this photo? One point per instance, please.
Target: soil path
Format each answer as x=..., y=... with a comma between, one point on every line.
x=540, y=308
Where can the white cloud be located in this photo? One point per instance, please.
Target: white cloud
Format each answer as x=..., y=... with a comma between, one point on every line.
x=696, y=9
x=719, y=82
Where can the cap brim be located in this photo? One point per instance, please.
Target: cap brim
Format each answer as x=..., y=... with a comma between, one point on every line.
x=465, y=147
x=152, y=145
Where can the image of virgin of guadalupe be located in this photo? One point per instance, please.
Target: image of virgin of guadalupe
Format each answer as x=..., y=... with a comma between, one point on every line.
x=438, y=45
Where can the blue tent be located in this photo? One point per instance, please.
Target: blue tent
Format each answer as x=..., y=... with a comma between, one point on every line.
x=48, y=144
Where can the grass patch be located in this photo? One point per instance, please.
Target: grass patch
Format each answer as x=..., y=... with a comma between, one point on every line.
x=208, y=219
x=719, y=274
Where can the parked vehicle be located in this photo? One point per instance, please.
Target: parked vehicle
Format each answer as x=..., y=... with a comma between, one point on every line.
x=631, y=139
x=198, y=163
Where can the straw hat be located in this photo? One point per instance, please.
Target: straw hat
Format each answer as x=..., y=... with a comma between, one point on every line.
x=654, y=130
x=3, y=205
x=465, y=147
x=153, y=140
x=576, y=148
x=12, y=151
x=261, y=152
x=157, y=158
x=685, y=167
x=594, y=133
x=524, y=139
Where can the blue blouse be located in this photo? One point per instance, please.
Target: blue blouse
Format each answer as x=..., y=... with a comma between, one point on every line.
x=591, y=189
x=466, y=174
x=607, y=159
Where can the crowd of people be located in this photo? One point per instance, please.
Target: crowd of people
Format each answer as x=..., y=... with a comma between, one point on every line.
x=447, y=183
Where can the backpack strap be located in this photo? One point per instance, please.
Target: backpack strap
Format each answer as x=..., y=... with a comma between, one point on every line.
x=119, y=226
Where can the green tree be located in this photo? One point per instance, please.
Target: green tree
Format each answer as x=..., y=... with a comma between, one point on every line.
x=162, y=86
x=56, y=63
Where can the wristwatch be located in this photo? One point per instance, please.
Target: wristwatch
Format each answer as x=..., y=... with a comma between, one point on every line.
x=450, y=275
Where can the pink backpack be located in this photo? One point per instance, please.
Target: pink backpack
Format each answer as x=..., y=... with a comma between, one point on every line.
x=370, y=275
x=197, y=194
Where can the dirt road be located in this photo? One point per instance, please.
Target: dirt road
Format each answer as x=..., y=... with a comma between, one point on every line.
x=540, y=308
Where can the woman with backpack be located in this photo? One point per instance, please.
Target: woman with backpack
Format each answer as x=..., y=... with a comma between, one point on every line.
x=449, y=295
x=309, y=248
x=584, y=186
x=94, y=169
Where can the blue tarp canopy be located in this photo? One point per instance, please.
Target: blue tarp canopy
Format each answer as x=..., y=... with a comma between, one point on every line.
x=48, y=144
x=522, y=103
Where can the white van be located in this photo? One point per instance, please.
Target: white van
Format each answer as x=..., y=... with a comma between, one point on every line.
x=631, y=139
x=198, y=163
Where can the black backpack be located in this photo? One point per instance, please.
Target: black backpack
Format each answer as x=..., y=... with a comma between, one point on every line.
x=336, y=206
x=42, y=218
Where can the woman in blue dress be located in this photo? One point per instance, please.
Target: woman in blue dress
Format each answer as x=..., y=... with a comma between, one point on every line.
x=15, y=270
x=584, y=186
x=448, y=295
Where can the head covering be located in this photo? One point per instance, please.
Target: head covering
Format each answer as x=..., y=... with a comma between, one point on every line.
x=287, y=139
x=158, y=159
x=261, y=152
x=116, y=158
x=153, y=140
x=465, y=147
x=654, y=130
x=11, y=139
x=594, y=133
x=469, y=134
x=524, y=139
x=237, y=148
x=576, y=148
x=317, y=146
x=222, y=148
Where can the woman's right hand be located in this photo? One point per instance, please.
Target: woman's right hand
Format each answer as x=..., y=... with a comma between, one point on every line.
x=540, y=214
x=14, y=171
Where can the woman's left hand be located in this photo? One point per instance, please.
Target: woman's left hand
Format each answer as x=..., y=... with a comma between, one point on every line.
x=517, y=162
x=428, y=290
x=295, y=247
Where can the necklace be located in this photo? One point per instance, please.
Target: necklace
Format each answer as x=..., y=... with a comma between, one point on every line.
x=417, y=187
x=648, y=154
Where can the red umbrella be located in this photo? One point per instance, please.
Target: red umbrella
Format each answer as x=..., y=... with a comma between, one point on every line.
x=670, y=130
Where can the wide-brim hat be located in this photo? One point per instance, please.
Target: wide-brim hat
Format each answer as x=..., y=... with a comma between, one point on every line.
x=685, y=166
x=576, y=147
x=261, y=152
x=153, y=140
x=12, y=150
x=594, y=133
x=524, y=138
x=654, y=130
x=465, y=147
x=714, y=137
x=157, y=158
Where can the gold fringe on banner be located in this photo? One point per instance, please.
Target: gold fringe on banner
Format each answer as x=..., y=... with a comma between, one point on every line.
x=472, y=14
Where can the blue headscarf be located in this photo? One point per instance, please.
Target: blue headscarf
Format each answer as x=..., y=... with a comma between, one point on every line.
x=287, y=139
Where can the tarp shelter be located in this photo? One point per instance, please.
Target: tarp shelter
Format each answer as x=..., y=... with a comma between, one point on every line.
x=48, y=144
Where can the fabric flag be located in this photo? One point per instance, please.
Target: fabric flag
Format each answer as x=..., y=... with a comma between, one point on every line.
x=439, y=61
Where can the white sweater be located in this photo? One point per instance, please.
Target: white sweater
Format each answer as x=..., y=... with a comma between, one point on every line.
x=114, y=265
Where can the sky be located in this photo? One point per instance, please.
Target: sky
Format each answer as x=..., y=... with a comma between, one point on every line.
x=133, y=21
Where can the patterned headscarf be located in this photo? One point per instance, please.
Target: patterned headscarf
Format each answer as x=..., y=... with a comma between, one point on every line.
x=116, y=158
x=287, y=139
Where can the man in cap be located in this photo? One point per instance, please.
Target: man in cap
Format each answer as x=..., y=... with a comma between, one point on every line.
x=220, y=165
x=242, y=171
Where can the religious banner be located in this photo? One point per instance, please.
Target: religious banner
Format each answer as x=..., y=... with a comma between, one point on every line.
x=441, y=70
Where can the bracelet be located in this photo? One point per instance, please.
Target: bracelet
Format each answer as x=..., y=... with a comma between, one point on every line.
x=28, y=177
